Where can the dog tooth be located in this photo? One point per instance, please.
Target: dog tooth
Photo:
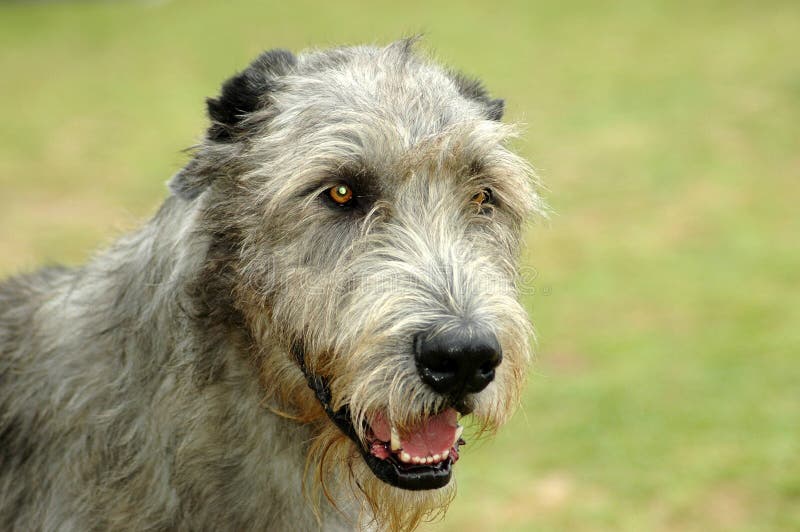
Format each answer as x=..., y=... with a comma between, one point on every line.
x=415, y=459
x=430, y=459
x=459, y=432
x=445, y=454
x=395, y=440
x=405, y=457
x=436, y=458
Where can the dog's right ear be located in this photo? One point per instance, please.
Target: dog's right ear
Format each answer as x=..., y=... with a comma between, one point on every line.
x=245, y=93
x=241, y=95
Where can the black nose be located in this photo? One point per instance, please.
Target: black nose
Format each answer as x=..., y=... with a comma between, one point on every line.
x=458, y=361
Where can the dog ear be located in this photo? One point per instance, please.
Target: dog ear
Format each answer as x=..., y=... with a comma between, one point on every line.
x=496, y=109
x=244, y=93
x=473, y=89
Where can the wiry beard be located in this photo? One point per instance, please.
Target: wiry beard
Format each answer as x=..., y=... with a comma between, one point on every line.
x=371, y=376
x=338, y=474
x=335, y=471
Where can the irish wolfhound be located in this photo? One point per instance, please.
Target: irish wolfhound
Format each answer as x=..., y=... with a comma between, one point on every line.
x=289, y=342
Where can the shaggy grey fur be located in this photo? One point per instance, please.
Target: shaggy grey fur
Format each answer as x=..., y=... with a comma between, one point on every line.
x=154, y=389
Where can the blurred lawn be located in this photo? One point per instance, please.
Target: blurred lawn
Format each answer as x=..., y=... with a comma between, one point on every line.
x=667, y=390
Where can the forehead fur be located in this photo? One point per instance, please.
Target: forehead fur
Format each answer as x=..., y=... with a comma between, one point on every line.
x=392, y=86
x=380, y=108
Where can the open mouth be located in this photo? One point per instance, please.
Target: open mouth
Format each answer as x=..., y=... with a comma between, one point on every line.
x=422, y=458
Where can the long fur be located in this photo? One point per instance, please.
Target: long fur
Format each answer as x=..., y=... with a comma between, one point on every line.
x=154, y=388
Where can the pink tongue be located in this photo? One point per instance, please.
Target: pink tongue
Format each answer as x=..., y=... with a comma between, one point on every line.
x=434, y=436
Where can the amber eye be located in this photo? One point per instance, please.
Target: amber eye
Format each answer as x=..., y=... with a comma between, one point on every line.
x=341, y=194
x=483, y=197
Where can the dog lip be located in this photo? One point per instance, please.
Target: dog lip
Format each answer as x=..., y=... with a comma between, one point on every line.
x=410, y=476
x=413, y=477
x=463, y=408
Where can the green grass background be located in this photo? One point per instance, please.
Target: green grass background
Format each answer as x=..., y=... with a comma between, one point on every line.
x=666, y=393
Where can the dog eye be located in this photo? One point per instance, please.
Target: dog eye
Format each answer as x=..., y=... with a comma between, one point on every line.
x=341, y=194
x=484, y=197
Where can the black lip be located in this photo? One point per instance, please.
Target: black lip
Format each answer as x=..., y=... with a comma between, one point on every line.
x=392, y=471
x=400, y=475
x=410, y=477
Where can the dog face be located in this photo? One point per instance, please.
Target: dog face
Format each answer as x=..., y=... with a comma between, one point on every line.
x=376, y=263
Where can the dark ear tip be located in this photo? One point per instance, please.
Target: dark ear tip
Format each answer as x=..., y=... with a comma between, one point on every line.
x=473, y=89
x=278, y=60
x=496, y=109
x=216, y=109
x=244, y=92
x=220, y=115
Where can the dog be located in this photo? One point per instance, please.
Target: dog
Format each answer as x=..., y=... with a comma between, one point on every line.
x=292, y=339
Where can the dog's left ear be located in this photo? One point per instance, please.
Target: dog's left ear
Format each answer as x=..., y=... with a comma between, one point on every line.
x=474, y=90
x=496, y=109
x=243, y=94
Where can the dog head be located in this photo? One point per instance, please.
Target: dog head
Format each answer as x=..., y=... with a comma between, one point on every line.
x=377, y=216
